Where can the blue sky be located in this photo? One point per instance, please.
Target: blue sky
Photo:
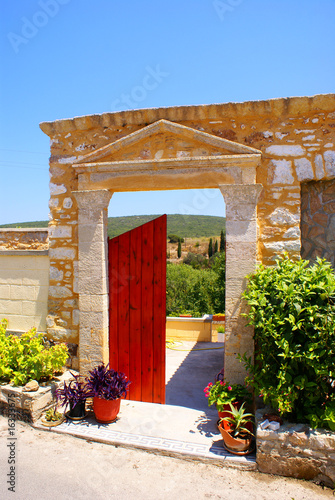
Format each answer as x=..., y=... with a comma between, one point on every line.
x=66, y=58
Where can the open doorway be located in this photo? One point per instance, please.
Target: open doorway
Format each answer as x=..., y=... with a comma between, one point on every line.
x=198, y=359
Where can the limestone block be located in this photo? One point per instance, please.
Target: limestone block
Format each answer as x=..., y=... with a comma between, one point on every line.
x=283, y=246
x=319, y=167
x=67, y=203
x=55, y=274
x=4, y=291
x=91, y=285
x=298, y=467
x=329, y=157
x=18, y=292
x=53, y=203
x=292, y=233
x=242, y=250
x=304, y=169
x=97, y=303
x=62, y=253
x=280, y=172
x=56, y=189
x=285, y=150
x=241, y=231
x=59, y=292
x=283, y=216
x=60, y=231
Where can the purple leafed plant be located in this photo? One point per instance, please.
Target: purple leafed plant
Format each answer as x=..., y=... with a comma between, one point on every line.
x=107, y=383
x=73, y=393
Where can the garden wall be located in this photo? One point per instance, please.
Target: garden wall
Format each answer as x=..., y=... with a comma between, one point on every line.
x=296, y=450
x=24, y=278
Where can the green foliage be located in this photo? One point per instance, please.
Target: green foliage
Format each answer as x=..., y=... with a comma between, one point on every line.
x=195, y=291
x=174, y=238
x=52, y=415
x=292, y=309
x=222, y=242
x=222, y=393
x=191, y=226
x=179, y=249
x=26, y=358
x=196, y=260
x=239, y=419
x=210, y=248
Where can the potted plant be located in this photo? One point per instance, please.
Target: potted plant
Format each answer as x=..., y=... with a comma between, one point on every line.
x=223, y=394
x=74, y=395
x=219, y=317
x=52, y=417
x=107, y=387
x=236, y=430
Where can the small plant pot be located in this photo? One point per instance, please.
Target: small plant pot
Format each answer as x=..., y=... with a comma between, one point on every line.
x=226, y=409
x=237, y=445
x=77, y=412
x=106, y=410
x=218, y=317
x=52, y=423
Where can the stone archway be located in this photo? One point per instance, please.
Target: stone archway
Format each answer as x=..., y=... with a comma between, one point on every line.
x=165, y=155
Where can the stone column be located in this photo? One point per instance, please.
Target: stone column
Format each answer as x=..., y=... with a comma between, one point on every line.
x=92, y=277
x=241, y=254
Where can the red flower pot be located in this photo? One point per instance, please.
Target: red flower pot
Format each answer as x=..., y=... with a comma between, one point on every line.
x=235, y=445
x=226, y=409
x=106, y=410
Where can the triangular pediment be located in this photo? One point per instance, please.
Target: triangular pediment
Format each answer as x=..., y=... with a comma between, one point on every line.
x=165, y=140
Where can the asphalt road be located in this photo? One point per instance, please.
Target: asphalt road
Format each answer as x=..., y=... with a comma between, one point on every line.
x=50, y=466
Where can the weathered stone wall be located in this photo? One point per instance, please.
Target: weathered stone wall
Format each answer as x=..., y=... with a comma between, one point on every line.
x=318, y=220
x=296, y=450
x=296, y=136
x=24, y=239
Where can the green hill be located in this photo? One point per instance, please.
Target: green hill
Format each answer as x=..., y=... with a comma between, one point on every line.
x=186, y=226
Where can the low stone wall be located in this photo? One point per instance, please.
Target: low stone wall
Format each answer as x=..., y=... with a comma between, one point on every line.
x=24, y=238
x=28, y=406
x=191, y=329
x=296, y=450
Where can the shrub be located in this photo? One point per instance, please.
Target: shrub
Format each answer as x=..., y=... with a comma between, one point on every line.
x=292, y=309
x=26, y=358
x=174, y=238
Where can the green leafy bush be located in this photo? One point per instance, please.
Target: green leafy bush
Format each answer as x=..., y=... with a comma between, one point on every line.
x=195, y=291
x=292, y=309
x=26, y=358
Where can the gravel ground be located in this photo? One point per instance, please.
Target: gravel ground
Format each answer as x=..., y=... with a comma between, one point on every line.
x=50, y=466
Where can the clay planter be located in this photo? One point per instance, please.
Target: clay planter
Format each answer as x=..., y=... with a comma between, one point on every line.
x=236, y=445
x=52, y=423
x=106, y=410
x=217, y=317
x=226, y=412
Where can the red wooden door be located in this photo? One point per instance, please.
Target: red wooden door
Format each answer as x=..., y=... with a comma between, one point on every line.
x=137, y=309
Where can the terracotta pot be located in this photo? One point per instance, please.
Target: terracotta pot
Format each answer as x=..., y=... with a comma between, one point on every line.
x=106, y=410
x=226, y=409
x=234, y=444
x=216, y=317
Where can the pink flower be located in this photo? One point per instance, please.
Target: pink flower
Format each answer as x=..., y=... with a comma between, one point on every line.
x=221, y=383
x=210, y=384
x=229, y=388
x=207, y=395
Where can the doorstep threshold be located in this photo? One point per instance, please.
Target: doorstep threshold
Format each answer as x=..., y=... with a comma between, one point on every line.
x=213, y=452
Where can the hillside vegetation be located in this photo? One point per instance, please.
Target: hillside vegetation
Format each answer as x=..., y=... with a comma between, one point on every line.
x=189, y=226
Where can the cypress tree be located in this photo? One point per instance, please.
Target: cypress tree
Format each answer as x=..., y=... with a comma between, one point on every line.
x=222, y=242
x=179, y=249
x=210, y=247
x=216, y=246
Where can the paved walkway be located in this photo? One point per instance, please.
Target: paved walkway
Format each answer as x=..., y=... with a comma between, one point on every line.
x=185, y=426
